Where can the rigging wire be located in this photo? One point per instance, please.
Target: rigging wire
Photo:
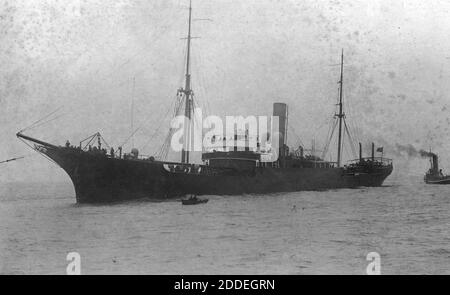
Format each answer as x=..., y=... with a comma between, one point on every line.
x=332, y=125
x=161, y=121
x=299, y=140
x=204, y=89
x=351, y=128
x=48, y=121
x=114, y=69
x=327, y=146
x=177, y=106
x=136, y=130
x=145, y=48
x=201, y=84
x=33, y=125
x=351, y=142
x=164, y=149
x=43, y=155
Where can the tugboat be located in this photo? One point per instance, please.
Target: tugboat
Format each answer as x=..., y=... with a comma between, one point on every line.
x=193, y=200
x=434, y=175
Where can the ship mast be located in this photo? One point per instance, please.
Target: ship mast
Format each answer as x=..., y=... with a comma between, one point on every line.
x=341, y=115
x=188, y=94
x=132, y=113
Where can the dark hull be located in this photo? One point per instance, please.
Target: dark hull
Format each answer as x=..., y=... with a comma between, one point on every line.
x=98, y=178
x=438, y=180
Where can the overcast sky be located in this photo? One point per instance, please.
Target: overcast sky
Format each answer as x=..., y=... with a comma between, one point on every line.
x=82, y=57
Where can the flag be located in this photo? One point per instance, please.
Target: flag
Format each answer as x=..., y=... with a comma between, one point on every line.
x=380, y=149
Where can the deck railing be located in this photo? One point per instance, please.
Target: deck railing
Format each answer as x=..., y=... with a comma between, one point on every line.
x=385, y=161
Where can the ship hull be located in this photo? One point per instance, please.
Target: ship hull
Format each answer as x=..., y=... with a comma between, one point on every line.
x=438, y=180
x=98, y=178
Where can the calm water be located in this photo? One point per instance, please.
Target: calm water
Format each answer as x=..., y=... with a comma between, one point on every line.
x=327, y=233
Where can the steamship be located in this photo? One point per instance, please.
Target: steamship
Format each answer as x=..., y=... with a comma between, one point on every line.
x=434, y=175
x=99, y=175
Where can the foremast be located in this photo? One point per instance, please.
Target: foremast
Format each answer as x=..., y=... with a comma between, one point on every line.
x=187, y=91
x=341, y=114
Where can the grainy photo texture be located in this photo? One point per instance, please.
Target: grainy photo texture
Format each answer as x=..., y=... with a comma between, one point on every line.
x=225, y=137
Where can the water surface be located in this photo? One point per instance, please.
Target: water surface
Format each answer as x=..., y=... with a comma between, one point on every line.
x=328, y=232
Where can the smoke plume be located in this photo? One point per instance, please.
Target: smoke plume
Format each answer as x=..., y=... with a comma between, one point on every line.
x=411, y=151
x=426, y=154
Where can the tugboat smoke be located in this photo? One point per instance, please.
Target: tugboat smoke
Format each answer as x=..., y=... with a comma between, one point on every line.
x=412, y=151
x=426, y=154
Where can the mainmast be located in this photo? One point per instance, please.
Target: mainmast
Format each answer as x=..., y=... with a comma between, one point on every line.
x=341, y=115
x=132, y=113
x=188, y=96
